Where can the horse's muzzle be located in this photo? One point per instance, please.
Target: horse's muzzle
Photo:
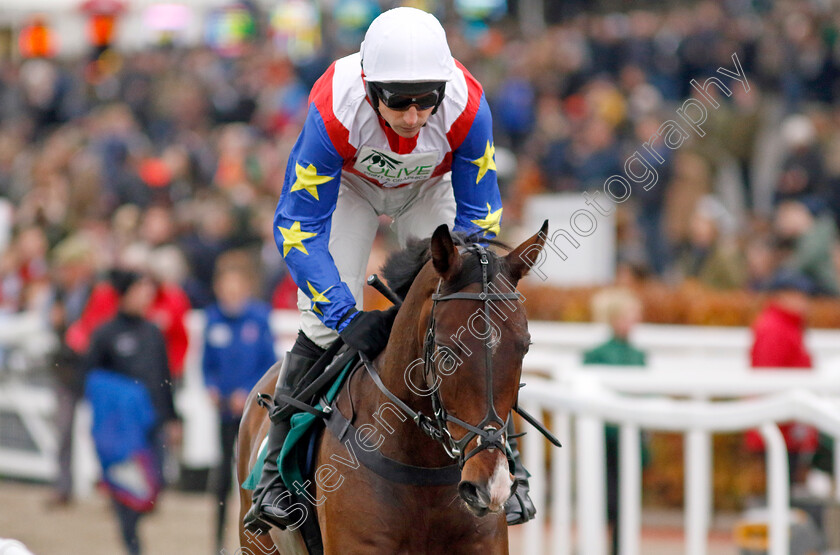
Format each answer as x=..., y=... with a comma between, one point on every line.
x=486, y=494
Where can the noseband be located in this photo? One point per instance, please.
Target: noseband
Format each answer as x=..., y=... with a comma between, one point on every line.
x=492, y=428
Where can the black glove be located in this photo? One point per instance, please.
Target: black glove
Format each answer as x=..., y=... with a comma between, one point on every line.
x=369, y=331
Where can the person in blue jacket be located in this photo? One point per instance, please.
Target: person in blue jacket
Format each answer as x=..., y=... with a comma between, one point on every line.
x=401, y=129
x=238, y=349
x=132, y=348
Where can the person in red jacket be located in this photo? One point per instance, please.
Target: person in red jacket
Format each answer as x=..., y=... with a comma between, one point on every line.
x=101, y=306
x=168, y=311
x=779, y=342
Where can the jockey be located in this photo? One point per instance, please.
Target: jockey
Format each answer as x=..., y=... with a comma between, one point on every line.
x=399, y=128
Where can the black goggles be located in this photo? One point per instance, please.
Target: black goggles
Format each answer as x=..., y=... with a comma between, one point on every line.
x=401, y=102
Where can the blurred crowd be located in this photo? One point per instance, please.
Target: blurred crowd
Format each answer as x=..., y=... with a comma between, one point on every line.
x=757, y=194
x=164, y=159
x=162, y=162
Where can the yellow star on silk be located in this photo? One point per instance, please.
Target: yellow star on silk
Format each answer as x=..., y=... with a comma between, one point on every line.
x=308, y=179
x=318, y=297
x=486, y=162
x=293, y=238
x=491, y=221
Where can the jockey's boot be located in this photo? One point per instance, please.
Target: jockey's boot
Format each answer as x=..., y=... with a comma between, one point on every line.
x=271, y=499
x=519, y=508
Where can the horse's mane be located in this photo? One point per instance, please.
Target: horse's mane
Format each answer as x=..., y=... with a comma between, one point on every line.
x=401, y=268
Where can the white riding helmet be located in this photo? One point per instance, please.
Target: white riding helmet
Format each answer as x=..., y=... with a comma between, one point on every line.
x=406, y=45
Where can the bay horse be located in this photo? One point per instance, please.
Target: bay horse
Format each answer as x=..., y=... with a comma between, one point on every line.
x=451, y=367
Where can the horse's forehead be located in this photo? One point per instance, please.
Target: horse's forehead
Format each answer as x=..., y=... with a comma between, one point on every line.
x=504, y=313
x=507, y=312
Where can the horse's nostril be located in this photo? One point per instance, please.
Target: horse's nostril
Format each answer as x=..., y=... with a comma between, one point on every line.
x=472, y=494
x=467, y=491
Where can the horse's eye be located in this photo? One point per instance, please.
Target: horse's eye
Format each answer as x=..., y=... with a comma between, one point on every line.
x=526, y=347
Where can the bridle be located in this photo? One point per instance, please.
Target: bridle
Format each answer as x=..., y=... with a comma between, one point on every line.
x=492, y=428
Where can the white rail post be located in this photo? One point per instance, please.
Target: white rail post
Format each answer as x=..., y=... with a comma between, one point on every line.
x=591, y=493
x=561, y=487
x=836, y=446
x=697, y=498
x=630, y=485
x=86, y=466
x=533, y=446
x=777, y=489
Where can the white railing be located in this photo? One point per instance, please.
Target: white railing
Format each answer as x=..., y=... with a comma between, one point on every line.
x=25, y=341
x=667, y=344
x=689, y=378
x=580, y=404
x=33, y=408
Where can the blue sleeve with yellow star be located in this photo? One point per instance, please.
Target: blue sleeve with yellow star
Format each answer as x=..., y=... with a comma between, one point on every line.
x=303, y=218
x=477, y=199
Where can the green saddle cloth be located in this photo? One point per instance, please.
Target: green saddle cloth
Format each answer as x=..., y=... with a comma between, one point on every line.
x=294, y=448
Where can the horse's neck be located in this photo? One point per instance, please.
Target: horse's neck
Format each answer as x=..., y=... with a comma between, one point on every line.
x=407, y=443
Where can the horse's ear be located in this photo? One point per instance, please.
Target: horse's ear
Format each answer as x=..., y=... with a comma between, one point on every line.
x=525, y=255
x=445, y=257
